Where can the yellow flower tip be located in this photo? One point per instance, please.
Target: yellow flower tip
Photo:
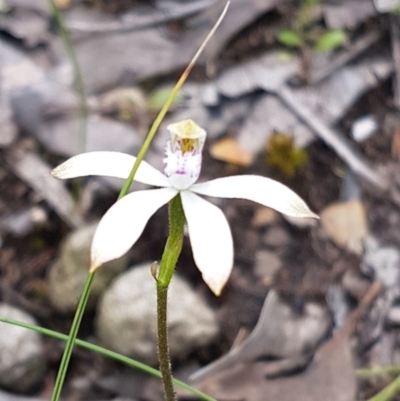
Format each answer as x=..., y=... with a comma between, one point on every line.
x=315, y=216
x=61, y=172
x=217, y=293
x=215, y=285
x=94, y=266
x=54, y=172
x=186, y=129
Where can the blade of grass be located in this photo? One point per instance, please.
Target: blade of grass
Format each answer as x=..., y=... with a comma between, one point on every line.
x=78, y=80
x=388, y=392
x=62, y=370
x=164, y=109
x=109, y=354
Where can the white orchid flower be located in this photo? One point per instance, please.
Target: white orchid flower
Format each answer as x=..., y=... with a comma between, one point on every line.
x=209, y=231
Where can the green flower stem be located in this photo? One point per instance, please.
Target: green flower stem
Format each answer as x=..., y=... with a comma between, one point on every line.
x=170, y=256
x=109, y=354
x=62, y=371
x=162, y=344
x=173, y=246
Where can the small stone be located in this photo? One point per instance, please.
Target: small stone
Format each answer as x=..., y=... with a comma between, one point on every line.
x=276, y=236
x=8, y=132
x=393, y=317
x=386, y=6
x=266, y=266
x=126, y=318
x=355, y=284
x=67, y=275
x=22, y=363
x=345, y=224
x=364, y=127
x=264, y=216
x=383, y=262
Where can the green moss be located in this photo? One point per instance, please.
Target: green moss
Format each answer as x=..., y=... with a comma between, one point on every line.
x=282, y=154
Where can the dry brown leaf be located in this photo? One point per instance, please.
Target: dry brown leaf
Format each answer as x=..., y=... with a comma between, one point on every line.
x=35, y=172
x=228, y=150
x=346, y=224
x=329, y=377
x=63, y=3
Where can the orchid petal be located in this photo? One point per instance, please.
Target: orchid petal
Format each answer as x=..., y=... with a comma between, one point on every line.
x=110, y=164
x=124, y=222
x=211, y=240
x=258, y=189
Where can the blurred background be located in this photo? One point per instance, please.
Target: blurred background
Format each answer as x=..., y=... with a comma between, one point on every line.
x=306, y=92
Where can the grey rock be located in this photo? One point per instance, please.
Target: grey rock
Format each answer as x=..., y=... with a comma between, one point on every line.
x=385, y=352
x=27, y=25
x=393, y=317
x=46, y=107
x=67, y=275
x=338, y=304
x=347, y=14
x=266, y=265
x=126, y=319
x=276, y=236
x=40, y=6
x=386, y=6
x=39, y=111
x=61, y=136
x=383, y=262
x=22, y=363
x=17, y=70
x=163, y=52
x=8, y=131
x=364, y=127
x=85, y=20
x=279, y=333
x=23, y=222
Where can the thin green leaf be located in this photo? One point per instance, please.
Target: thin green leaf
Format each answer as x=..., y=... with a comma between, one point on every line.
x=107, y=353
x=290, y=38
x=330, y=40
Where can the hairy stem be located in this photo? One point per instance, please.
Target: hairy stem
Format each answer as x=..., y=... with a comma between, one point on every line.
x=170, y=256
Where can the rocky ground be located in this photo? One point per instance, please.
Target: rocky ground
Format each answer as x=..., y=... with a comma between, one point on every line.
x=311, y=307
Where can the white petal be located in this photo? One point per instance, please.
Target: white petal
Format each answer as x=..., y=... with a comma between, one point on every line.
x=111, y=164
x=211, y=240
x=124, y=222
x=258, y=189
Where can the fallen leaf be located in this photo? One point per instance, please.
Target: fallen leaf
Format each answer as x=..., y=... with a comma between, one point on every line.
x=228, y=150
x=330, y=376
x=36, y=173
x=346, y=224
